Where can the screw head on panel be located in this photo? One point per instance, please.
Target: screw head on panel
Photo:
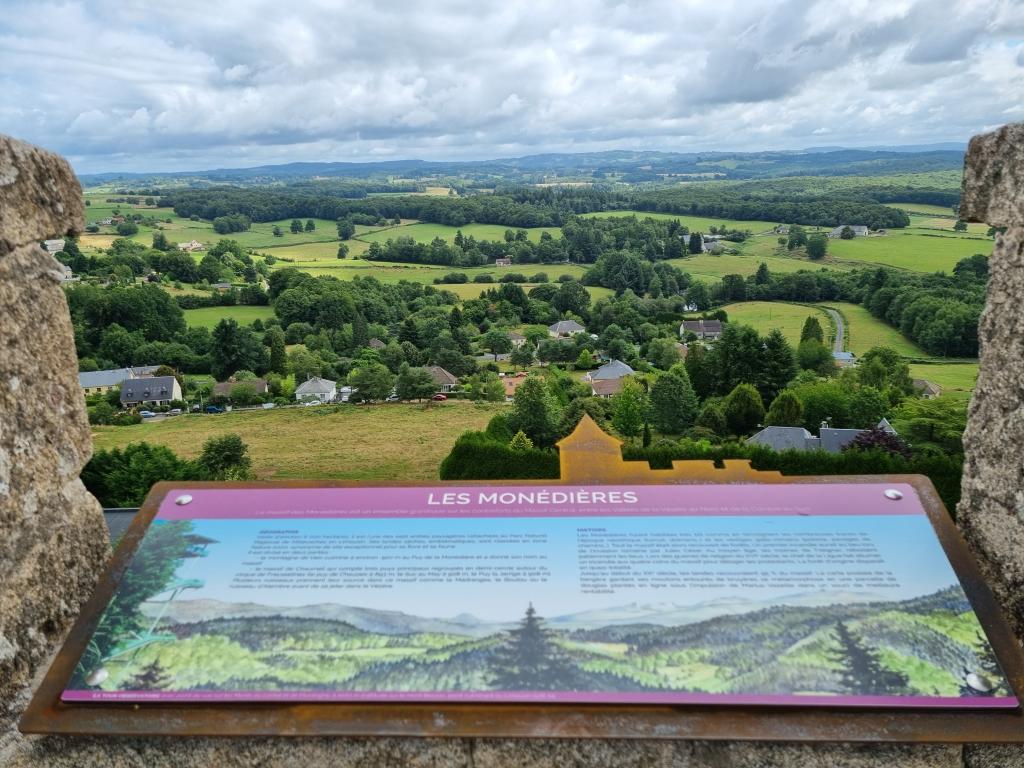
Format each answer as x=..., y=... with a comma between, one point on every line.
x=183, y=500
x=893, y=494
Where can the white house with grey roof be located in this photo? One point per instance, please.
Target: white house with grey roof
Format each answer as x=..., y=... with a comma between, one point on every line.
x=150, y=390
x=316, y=388
x=563, y=329
x=613, y=369
x=98, y=382
x=830, y=440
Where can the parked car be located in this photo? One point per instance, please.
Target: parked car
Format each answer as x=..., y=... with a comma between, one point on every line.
x=146, y=414
x=174, y=412
x=440, y=397
x=214, y=409
x=196, y=407
x=391, y=399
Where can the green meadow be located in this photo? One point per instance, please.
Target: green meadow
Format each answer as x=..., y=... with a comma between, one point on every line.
x=864, y=331
x=917, y=251
x=768, y=315
x=956, y=379
x=694, y=223
x=426, y=233
x=208, y=317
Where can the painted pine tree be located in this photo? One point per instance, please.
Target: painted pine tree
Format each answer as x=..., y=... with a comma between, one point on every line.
x=530, y=660
x=150, y=678
x=861, y=671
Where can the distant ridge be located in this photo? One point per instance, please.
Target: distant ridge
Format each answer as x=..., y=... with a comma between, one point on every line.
x=634, y=165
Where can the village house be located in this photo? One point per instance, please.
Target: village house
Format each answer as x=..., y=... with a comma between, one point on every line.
x=53, y=246
x=608, y=379
x=702, y=329
x=98, y=382
x=149, y=390
x=445, y=381
x=193, y=245
x=563, y=329
x=830, y=440
x=105, y=222
x=859, y=230
x=511, y=383
x=66, y=275
x=781, y=229
x=517, y=339
x=222, y=287
x=375, y=343
x=223, y=388
x=117, y=219
x=682, y=350
x=315, y=388
x=927, y=389
x=503, y=261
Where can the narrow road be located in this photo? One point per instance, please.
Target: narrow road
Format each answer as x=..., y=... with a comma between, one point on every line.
x=840, y=329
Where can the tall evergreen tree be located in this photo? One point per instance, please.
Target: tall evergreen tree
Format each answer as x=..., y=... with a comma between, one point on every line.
x=530, y=660
x=762, y=276
x=812, y=330
x=778, y=365
x=701, y=370
x=274, y=338
x=360, y=331
x=673, y=402
x=861, y=672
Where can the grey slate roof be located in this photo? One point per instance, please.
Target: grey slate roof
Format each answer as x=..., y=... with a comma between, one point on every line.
x=147, y=388
x=315, y=386
x=113, y=377
x=376, y=343
x=615, y=369
x=782, y=438
x=830, y=440
x=843, y=356
x=566, y=326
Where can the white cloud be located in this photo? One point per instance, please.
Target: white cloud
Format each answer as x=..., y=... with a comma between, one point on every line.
x=145, y=87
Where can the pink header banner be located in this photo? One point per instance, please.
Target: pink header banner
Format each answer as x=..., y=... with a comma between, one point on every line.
x=805, y=499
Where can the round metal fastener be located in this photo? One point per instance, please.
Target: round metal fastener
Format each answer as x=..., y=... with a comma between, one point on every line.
x=893, y=494
x=183, y=500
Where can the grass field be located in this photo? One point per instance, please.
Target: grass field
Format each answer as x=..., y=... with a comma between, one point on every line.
x=694, y=223
x=937, y=210
x=378, y=442
x=207, y=317
x=864, y=331
x=956, y=379
x=710, y=269
x=766, y=315
x=425, y=233
x=915, y=251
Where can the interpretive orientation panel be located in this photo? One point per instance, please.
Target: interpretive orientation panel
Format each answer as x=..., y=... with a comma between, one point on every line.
x=784, y=594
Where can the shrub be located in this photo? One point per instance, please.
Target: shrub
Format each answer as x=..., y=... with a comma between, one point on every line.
x=476, y=456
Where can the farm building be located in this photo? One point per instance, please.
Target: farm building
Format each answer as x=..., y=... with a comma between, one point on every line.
x=517, y=339
x=702, y=329
x=53, y=246
x=376, y=344
x=503, y=261
x=193, y=245
x=223, y=388
x=927, y=389
x=98, y=382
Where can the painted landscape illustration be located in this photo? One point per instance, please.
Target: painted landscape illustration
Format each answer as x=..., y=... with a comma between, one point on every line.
x=154, y=638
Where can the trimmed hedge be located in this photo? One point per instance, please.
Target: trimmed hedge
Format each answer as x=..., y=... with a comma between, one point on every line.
x=486, y=456
x=476, y=456
x=944, y=471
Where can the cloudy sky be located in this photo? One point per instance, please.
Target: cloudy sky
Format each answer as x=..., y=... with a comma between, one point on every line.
x=188, y=85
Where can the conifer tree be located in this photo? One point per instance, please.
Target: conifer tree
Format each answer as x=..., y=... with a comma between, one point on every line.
x=530, y=660
x=812, y=330
x=744, y=409
x=861, y=671
x=786, y=410
x=778, y=365
x=673, y=402
x=150, y=678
